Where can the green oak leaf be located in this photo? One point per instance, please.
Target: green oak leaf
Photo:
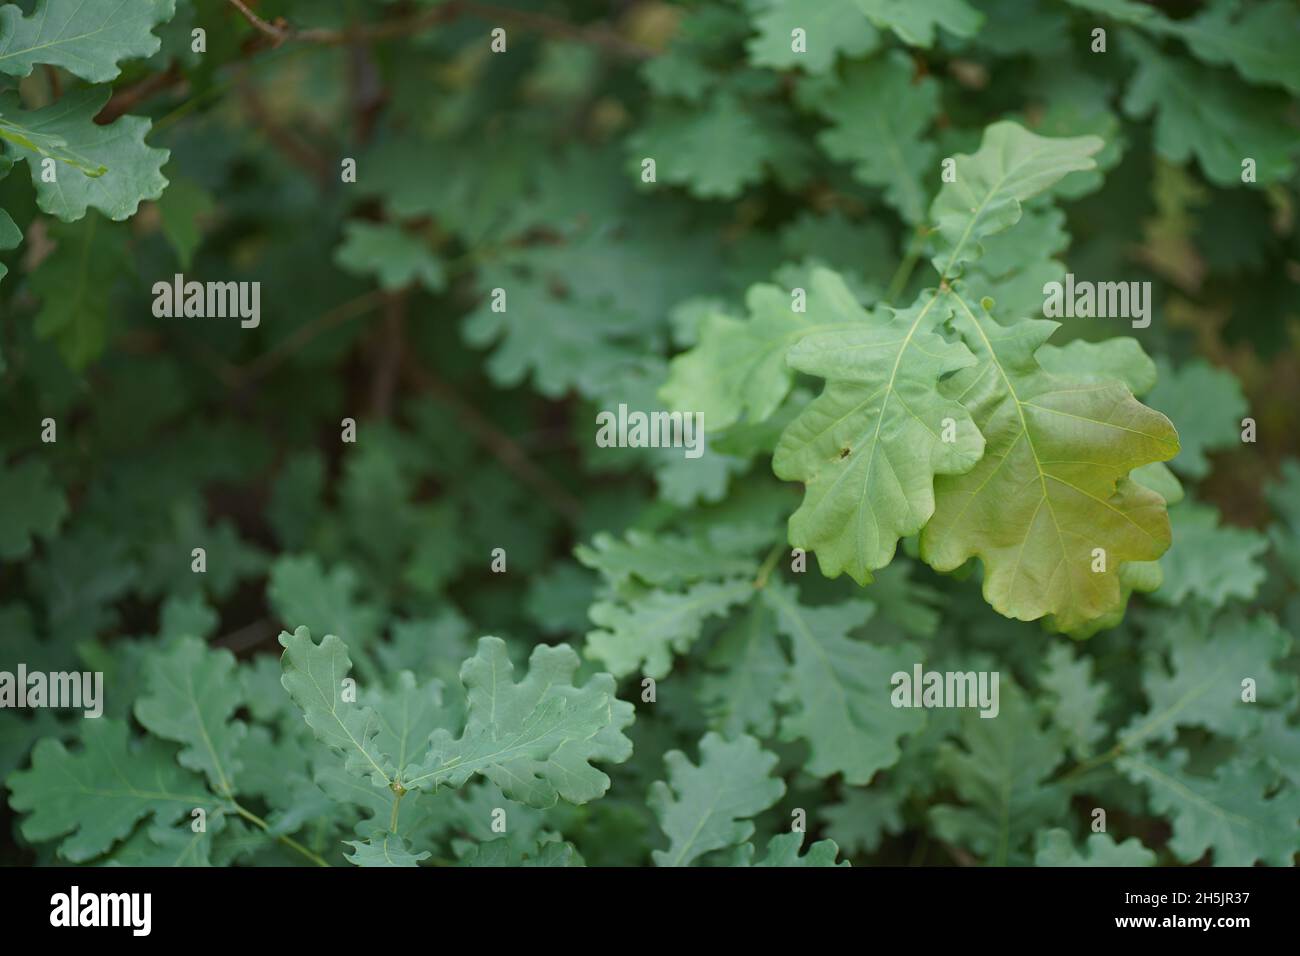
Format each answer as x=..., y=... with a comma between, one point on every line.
x=190, y=696
x=738, y=367
x=1211, y=115
x=660, y=559
x=1206, y=405
x=184, y=207
x=706, y=807
x=1258, y=41
x=10, y=237
x=747, y=671
x=1126, y=11
x=88, y=39
x=869, y=447
x=75, y=287
x=536, y=739
x=44, y=144
x=1056, y=848
x=92, y=797
x=915, y=22
x=1075, y=698
x=839, y=688
x=396, y=257
x=314, y=676
x=862, y=817
x=643, y=632
x=1119, y=359
x=32, y=505
x=1209, y=560
x=831, y=27
x=879, y=113
x=1231, y=813
x=178, y=845
x=132, y=169
x=783, y=851
x=1001, y=774
x=514, y=852
x=300, y=589
x=383, y=849
x=715, y=149
x=1201, y=685
x=1010, y=166
x=1052, y=486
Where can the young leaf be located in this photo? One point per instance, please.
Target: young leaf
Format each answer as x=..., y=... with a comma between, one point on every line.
x=190, y=698
x=748, y=669
x=313, y=676
x=1208, y=114
x=537, y=739
x=1055, y=848
x=985, y=198
x=660, y=559
x=868, y=449
x=1001, y=774
x=839, y=688
x=1206, y=406
x=383, y=849
x=1202, y=684
x=1231, y=813
x=738, y=367
x=1208, y=560
x=1258, y=41
x=707, y=807
x=644, y=632
x=879, y=113
x=783, y=850
x=32, y=505
x=915, y=22
x=300, y=589
x=1076, y=698
x=94, y=796
x=396, y=257
x=830, y=27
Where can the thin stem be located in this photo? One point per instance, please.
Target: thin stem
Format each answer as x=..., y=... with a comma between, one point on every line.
x=599, y=35
x=765, y=569
x=502, y=446
x=1092, y=763
x=904, y=271
x=278, y=34
x=397, y=803
x=283, y=838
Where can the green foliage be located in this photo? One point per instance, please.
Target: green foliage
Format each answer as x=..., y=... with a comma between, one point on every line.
x=826, y=232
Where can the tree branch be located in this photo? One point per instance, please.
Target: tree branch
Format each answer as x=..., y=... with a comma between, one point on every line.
x=388, y=355
x=277, y=32
x=600, y=36
x=501, y=445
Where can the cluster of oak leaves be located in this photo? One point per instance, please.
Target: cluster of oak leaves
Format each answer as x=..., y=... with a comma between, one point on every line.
x=952, y=428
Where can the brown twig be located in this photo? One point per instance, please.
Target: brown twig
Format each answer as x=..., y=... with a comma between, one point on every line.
x=388, y=355
x=271, y=359
x=597, y=35
x=127, y=98
x=296, y=149
x=277, y=32
x=248, y=636
x=501, y=445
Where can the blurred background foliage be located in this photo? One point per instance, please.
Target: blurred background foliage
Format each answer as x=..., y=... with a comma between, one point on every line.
x=521, y=170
